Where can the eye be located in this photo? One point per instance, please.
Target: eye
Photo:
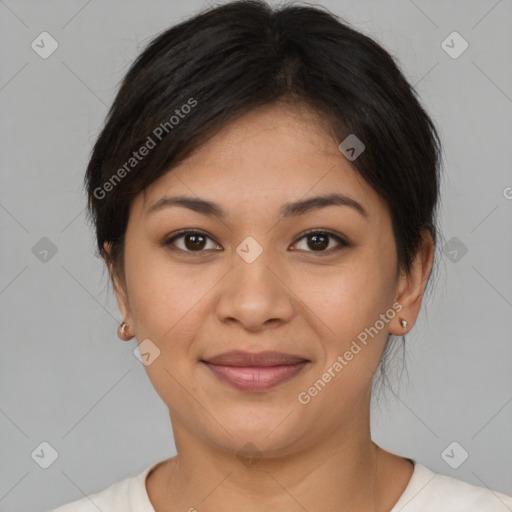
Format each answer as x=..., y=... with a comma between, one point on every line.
x=194, y=241
x=318, y=241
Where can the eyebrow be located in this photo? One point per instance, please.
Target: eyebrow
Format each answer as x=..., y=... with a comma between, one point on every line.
x=287, y=210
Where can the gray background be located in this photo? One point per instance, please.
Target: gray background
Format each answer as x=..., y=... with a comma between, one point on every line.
x=66, y=378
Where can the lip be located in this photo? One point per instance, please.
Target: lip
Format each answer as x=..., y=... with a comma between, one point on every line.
x=256, y=359
x=259, y=371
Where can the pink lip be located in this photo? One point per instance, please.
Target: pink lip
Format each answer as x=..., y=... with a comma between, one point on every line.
x=256, y=378
x=255, y=371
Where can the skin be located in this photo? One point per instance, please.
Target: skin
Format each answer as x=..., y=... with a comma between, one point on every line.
x=292, y=298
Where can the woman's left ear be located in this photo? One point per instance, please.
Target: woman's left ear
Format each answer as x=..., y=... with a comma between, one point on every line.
x=411, y=286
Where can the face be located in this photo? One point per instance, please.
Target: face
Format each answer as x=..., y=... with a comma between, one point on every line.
x=311, y=280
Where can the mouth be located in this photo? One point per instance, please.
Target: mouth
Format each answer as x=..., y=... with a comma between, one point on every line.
x=260, y=371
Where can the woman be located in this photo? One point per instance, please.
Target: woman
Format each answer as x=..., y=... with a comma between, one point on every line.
x=264, y=194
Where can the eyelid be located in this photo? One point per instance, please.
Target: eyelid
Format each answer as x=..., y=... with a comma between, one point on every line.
x=168, y=241
x=342, y=242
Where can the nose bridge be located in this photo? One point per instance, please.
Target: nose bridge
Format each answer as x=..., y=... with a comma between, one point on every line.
x=254, y=293
x=251, y=265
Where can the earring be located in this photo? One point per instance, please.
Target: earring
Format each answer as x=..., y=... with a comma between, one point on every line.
x=403, y=323
x=122, y=332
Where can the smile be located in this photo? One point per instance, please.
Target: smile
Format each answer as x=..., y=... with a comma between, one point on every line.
x=252, y=378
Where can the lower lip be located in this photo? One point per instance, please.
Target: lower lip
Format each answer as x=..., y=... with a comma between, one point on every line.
x=255, y=378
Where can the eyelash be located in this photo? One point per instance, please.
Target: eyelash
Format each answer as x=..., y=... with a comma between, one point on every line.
x=342, y=242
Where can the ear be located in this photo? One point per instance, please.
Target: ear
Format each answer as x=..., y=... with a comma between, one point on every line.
x=410, y=287
x=119, y=288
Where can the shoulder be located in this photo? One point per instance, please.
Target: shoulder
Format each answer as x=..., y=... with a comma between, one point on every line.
x=123, y=496
x=113, y=498
x=434, y=492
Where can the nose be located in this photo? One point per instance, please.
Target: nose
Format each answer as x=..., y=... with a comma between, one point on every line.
x=256, y=295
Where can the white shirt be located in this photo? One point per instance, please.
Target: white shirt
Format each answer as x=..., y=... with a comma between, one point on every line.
x=426, y=492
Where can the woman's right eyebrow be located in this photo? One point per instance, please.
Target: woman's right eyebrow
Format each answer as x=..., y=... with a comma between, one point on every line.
x=291, y=209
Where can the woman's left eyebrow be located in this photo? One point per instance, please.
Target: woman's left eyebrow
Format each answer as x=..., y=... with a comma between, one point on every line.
x=291, y=209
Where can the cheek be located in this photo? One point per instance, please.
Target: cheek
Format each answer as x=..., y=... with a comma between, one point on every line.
x=349, y=296
x=349, y=304
x=154, y=289
x=166, y=302
x=165, y=306
x=353, y=337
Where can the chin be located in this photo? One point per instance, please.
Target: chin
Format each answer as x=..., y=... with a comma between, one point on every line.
x=272, y=434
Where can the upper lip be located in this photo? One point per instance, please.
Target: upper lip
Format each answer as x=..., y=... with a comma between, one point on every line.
x=267, y=358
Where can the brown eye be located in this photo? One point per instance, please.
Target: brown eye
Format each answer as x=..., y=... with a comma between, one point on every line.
x=192, y=241
x=196, y=241
x=318, y=241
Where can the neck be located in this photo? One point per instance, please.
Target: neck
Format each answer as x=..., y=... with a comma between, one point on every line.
x=339, y=473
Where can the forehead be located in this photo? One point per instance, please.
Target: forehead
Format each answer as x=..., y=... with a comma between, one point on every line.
x=267, y=157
